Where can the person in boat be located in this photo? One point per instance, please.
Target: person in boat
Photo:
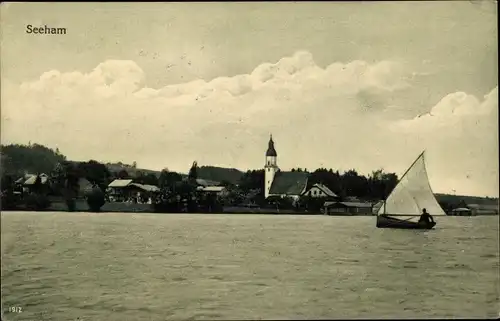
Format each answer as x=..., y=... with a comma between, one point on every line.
x=426, y=217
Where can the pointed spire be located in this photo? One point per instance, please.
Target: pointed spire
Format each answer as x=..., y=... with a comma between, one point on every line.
x=271, y=151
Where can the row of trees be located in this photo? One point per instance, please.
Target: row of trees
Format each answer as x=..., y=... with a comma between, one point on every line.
x=376, y=186
x=182, y=195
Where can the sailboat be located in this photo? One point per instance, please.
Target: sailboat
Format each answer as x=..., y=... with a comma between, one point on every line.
x=404, y=205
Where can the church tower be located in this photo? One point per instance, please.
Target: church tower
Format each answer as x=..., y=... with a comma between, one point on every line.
x=271, y=167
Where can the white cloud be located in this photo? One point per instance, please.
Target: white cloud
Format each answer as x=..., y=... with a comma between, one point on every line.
x=333, y=117
x=461, y=134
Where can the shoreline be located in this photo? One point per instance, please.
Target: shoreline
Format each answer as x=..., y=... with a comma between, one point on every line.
x=261, y=212
x=146, y=209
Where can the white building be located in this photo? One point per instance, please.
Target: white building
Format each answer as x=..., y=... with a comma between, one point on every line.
x=278, y=183
x=320, y=191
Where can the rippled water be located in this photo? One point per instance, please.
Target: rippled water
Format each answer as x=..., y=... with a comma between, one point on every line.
x=61, y=266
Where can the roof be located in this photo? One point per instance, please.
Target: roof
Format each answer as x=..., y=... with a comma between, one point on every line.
x=350, y=204
x=146, y=187
x=84, y=184
x=21, y=180
x=492, y=207
x=215, y=189
x=461, y=209
x=206, y=182
x=31, y=180
x=325, y=190
x=271, y=151
x=289, y=183
x=120, y=183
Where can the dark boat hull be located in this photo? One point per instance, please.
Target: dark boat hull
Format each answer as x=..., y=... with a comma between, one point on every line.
x=384, y=221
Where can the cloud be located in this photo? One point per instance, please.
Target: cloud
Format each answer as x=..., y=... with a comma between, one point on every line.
x=337, y=117
x=461, y=134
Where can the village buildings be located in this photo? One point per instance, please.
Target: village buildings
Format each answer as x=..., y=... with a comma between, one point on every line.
x=293, y=185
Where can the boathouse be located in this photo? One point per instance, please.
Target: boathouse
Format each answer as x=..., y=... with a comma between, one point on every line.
x=348, y=208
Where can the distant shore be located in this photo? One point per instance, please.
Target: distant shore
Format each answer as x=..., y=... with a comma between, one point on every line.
x=123, y=207
x=242, y=211
x=118, y=207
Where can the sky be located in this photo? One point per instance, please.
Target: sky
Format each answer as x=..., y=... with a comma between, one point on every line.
x=339, y=85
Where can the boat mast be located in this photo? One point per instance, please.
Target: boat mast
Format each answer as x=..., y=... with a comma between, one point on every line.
x=411, y=166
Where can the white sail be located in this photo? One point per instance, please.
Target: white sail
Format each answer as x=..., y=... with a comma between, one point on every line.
x=412, y=194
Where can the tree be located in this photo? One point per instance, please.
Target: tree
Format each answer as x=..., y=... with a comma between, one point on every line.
x=123, y=174
x=354, y=184
x=151, y=179
x=226, y=183
x=148, y=179
x=37, y=185
x=96, y=199
x=193, y=173
x=219, y=174
x=168, y=179
x=329, y=178
x=95, y=172
x=8, y=198
x=252, y=180
x=7, y=183
x=234, y=196
x=37, y=202
x=381, y=184
x=65, y=177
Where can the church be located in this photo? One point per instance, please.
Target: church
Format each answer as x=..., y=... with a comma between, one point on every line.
x=278, y=183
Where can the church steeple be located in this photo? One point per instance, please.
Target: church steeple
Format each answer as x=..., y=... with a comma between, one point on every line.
x=271, y=167
x=270, y=149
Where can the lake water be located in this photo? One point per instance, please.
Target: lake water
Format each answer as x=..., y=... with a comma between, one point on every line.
x=64, y=266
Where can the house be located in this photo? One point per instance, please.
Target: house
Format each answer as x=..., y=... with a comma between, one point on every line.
x=320, y=191
x=120, y=183
x=483, y=209
x=461, y=211
x=30, y=181
x=206, y=182
x=218, y=190
x=123, y=189
x=27, y=182
x=348, y=208
x=20, y=181
x=146, y=187
x=278, y=183
x=119, y=189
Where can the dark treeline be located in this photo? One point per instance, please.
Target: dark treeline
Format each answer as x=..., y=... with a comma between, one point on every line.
x=181, y=194
x=242, y=187
x=376, y=186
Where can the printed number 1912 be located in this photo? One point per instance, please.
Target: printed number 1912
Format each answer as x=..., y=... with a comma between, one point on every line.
x=15, y=309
